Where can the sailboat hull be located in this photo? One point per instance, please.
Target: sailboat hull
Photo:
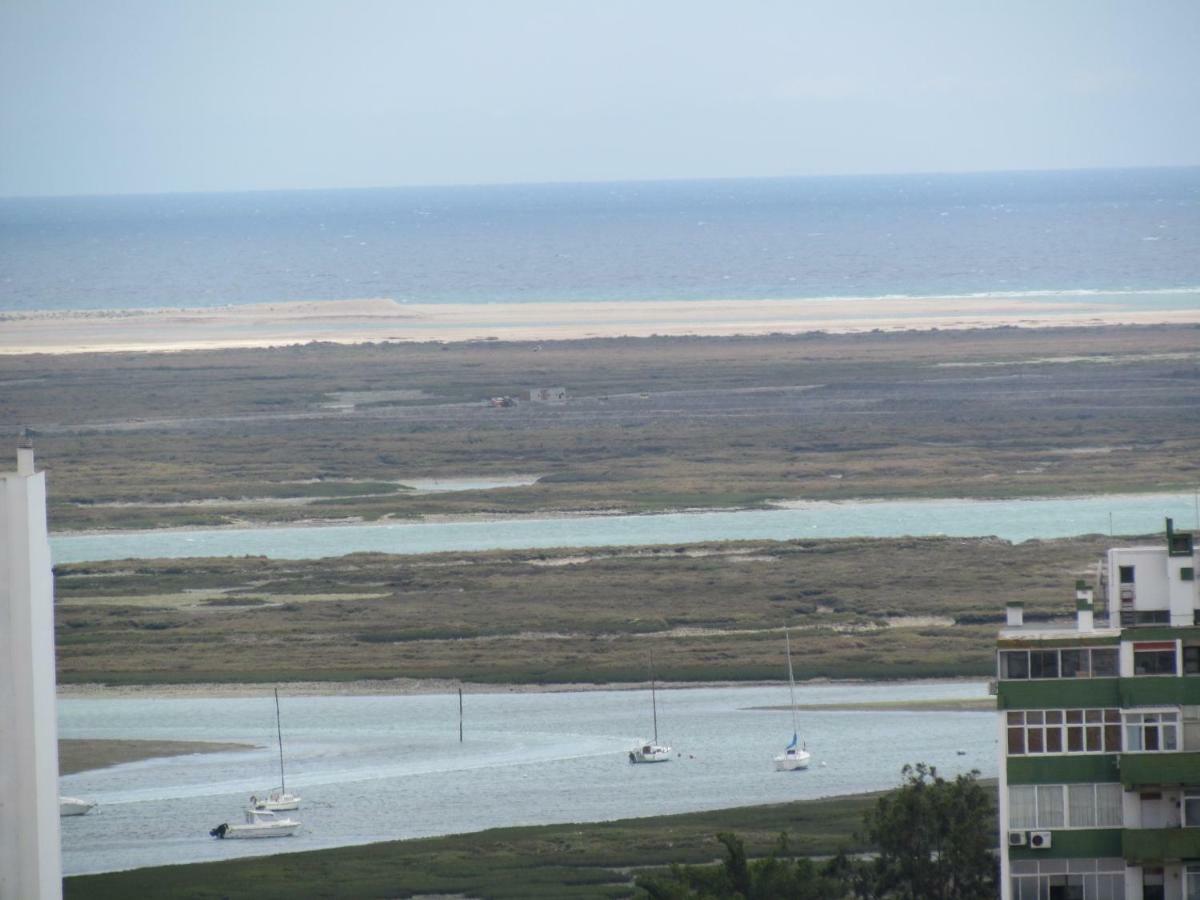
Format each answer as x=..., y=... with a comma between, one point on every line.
x=276, y=802
x=650, y=755
x=790, y=762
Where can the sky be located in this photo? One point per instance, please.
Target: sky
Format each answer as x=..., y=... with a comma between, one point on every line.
x=150, y=96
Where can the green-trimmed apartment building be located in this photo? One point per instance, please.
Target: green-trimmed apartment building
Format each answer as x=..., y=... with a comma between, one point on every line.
x=1100, y=736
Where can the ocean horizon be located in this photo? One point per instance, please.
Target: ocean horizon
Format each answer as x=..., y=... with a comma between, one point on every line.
x=1126, y=236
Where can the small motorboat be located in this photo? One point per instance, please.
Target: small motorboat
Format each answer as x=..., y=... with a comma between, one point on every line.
x=73, y=806
x=260, y=823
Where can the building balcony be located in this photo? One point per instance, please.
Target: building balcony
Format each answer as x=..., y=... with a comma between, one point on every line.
x=1159, y=690
x=1140, y=770
x=1058, y=693
x=1147, y=846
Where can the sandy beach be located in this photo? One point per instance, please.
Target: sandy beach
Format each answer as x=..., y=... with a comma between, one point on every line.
x=361, y=321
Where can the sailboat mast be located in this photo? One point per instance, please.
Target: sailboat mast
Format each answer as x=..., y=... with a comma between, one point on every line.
x=653, y=700
x=279, y=736
x=791, y=680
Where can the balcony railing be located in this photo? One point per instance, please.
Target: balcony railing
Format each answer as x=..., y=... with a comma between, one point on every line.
x=1160, y=770
x=1155, y=845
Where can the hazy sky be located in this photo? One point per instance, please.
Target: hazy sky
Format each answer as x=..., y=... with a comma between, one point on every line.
x=116, y=96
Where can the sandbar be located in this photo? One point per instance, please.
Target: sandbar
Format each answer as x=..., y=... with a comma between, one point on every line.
x=384, y=320
x=85, y=754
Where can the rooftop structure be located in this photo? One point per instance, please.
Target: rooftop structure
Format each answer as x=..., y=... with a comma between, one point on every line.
x=1099, y=728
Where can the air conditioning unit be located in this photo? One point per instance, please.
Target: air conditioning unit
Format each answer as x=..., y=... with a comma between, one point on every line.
x=1016, y=839
x=1039, y=840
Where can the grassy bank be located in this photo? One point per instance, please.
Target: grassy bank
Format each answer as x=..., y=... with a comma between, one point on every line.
x=903, y=608
x=324, y=432
x=553, y=861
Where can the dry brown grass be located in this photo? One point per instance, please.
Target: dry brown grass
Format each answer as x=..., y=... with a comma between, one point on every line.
x=651, y=424
x=705, y=612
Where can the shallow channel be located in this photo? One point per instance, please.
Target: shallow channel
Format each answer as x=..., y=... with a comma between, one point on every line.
x=374, y=768
x=1014, y=520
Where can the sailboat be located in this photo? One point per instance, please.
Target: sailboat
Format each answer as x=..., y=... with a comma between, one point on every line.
x=651, y=751
x=277, y=799
x=794, y=755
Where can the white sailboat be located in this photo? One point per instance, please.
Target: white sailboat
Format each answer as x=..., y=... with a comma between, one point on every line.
x=651, y=751
x=794, y=756
x=277, y=799
x=260, y=823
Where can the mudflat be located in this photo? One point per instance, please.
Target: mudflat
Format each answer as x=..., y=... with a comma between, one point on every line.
x=84, y=754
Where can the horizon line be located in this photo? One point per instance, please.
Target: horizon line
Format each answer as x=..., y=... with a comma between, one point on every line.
x=602, y=181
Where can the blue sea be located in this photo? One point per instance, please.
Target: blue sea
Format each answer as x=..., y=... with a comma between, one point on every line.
x=1129, y=235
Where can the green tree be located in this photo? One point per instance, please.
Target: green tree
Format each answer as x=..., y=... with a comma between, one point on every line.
x=778, y=877
x=935, y=839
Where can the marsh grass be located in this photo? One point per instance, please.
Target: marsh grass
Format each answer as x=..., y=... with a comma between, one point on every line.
x=708, y=612
x=651, y=424
x=570, y=861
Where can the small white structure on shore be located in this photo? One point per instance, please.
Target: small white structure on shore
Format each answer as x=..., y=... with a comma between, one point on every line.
x=30, y=853
x=548, y=395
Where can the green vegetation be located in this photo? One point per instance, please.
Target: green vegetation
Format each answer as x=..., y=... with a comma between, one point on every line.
x=221, y=437
x=934, y=840
x=594, y=860
x=904, y=608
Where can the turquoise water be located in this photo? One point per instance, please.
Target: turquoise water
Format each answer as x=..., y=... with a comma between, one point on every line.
x=380, y=768
x=1014, y=520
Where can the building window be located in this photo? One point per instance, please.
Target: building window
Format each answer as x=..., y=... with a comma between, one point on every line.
x=1151, y=732
x=1154, y=885
x=1191, y=811
x=1075, y=662
x=1154, y=659
x=1187, y=573
x=1043, y=663
x=1069, y=879
x=1036, y=731
x=1104, y=662
x=1125, y=573
x=1064, y=806
x=1014, y=664
x=1192, y=883
x=1152, y=617
x=1191, y=660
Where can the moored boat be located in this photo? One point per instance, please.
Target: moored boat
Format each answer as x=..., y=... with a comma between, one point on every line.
x=73, y=806
x=795, y=755
x=260, y=823
x=651, y=751
x=277, y=799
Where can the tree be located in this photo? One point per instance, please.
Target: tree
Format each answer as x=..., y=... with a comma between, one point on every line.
x=934, y=837
x=777, y=877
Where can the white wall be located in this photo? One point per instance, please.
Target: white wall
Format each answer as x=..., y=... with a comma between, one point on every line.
x=30, y=863
x=1150, y=573
x=1182, y=593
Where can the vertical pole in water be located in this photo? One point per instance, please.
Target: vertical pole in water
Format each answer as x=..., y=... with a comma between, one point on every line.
x=279, y=735
x=460, y=740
